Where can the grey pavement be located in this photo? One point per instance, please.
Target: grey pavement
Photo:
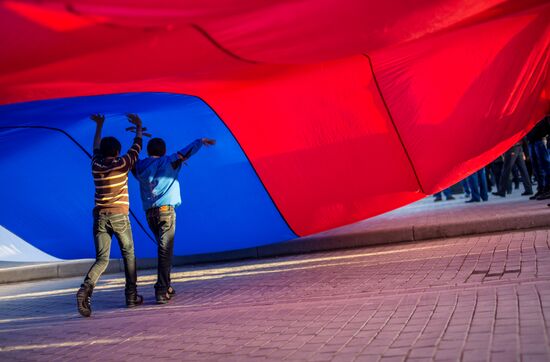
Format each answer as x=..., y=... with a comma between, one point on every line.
x=426, y=219
x=471, y=298
x=422, y=220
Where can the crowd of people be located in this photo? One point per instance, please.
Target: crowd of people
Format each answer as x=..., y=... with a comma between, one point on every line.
x=527, y=162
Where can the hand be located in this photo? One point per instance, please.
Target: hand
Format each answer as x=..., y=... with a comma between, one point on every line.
x=134, y=119
x=98, y=118
x=208, y=141
x=134, y=130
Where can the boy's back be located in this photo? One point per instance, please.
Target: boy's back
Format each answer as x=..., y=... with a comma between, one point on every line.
x=158, y=177
x=158, y=181
x=111, y=179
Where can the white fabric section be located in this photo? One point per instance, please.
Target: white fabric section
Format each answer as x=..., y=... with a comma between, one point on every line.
x=13, y=248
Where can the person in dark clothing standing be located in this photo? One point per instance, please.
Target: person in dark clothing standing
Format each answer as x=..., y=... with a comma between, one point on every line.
x=514, y=156
x=478, y=186
x=496, y=167
x=448, y=195
x=160, y=194
x=540, y=158
x=111, y=209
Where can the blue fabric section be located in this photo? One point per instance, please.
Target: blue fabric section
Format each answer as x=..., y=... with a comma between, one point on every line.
x=158, y=179
x=47, y=189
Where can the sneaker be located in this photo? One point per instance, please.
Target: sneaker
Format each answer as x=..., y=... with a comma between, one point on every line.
x=534, y=197
x=472, y=200
x=450, y=198
x=163, y=298
x=171, y=291
x=526, y=193
x=133, y=299
x=438, y=199
x=543, y=196
x=501, y=194
x=84, y=300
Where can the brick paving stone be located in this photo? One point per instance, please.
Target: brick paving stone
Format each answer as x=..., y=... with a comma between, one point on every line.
x=447, y=299
x=392, y=359
x=534, y=357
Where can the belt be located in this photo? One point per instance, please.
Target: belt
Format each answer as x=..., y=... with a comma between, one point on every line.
x=108, y=212
x=161, y=208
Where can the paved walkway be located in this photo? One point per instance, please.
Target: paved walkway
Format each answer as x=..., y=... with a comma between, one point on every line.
x=474, y=298
x=426, y=214
x=419, y=221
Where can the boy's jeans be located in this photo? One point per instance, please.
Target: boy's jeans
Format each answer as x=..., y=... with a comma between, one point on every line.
x=105, y=226
x=162, y=221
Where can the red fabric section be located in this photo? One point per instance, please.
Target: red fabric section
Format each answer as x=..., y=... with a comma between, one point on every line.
x=321, y=140
x=461, y=98
x=461, y=81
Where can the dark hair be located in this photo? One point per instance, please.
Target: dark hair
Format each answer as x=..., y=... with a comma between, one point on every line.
x=109, y=147
x=156, y=147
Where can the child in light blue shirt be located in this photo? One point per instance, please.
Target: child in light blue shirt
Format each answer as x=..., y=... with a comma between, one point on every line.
x=160, y=194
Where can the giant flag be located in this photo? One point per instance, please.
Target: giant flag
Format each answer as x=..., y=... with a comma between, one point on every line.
x=326, y=112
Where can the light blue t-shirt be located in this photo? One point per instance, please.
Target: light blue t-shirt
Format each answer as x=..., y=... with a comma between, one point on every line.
x=158, y=180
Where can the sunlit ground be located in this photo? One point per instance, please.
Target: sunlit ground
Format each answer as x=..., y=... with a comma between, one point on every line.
x=210, y=273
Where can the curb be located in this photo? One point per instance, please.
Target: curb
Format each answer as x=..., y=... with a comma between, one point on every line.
x=325, y=241
x=320, y=242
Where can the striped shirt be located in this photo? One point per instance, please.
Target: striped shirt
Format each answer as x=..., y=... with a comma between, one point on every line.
x=111, y=179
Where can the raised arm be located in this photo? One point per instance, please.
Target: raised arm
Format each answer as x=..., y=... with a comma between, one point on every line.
x=132, y=155
x=99, y=119
x=182, y=155
x=135, y=120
